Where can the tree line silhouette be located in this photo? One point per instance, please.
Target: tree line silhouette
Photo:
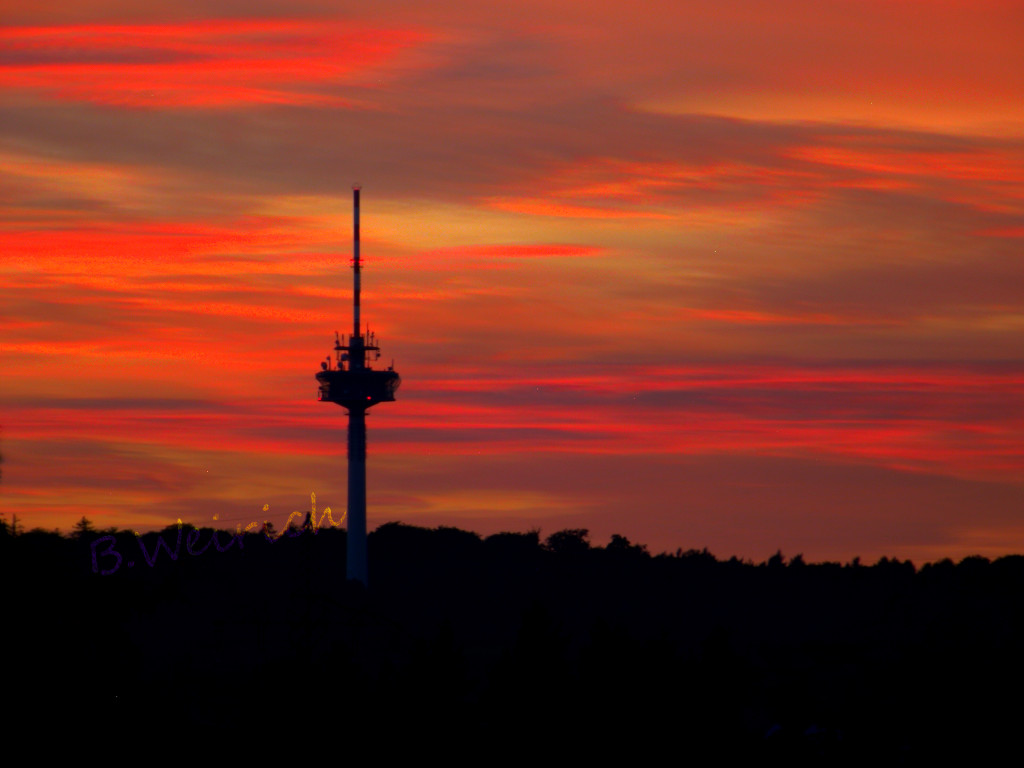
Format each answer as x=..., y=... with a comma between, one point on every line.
x=516, y=640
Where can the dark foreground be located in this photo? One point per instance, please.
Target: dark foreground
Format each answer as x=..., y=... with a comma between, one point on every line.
x=508, y=646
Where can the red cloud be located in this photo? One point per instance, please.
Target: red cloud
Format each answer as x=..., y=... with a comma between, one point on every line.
x=201, y=64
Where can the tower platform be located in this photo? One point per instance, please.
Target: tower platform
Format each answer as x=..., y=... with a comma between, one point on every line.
x=359, y=388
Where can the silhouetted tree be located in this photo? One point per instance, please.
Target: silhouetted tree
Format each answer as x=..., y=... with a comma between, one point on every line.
x=697, y=555
x=625, y=551
x=568, y=541
x=82, y=528
x=514, y=545
x=622, y=544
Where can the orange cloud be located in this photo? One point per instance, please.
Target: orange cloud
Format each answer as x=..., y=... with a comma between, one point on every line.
x=983, y=164
x=614, y=188
x=744, y=317
x=465, y=257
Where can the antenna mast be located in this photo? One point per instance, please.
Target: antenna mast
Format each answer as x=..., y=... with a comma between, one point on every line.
x=355, y=261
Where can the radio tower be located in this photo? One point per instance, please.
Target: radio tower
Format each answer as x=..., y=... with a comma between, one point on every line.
x=349, y=381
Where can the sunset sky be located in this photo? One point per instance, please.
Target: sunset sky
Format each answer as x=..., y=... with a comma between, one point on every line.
x=740, y=274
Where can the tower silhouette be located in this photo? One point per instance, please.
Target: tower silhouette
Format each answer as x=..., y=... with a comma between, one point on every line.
x=350, y=382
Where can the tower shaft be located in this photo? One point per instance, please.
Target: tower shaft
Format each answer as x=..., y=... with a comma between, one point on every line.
x=356, y=567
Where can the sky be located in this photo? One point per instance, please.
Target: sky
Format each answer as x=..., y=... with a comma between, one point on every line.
x=743, y=275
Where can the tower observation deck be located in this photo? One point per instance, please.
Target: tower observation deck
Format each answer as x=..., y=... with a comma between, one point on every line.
x=350, y=381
